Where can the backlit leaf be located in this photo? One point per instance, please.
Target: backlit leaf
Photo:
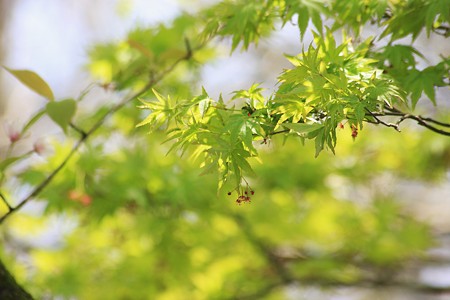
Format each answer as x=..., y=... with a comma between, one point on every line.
x=33, y=81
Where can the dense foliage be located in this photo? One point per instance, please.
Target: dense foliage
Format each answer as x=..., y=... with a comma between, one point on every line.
x=147, y=224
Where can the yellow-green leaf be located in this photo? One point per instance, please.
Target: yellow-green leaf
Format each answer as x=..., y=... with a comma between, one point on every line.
x=33, y=81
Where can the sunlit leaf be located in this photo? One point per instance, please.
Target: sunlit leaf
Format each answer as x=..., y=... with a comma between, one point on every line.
x=32, y=81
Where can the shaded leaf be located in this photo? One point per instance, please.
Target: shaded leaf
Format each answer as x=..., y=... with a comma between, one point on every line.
x=61, y=112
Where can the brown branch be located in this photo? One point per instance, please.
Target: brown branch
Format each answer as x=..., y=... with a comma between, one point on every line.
x=435, y=122
x=85, y=135
x=77, y=129
x=422, y=121
x=378, y=121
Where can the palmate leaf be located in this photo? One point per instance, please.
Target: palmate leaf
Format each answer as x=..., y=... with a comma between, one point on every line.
x=306, y=11
x=437, y=9
x=240, y=128
x=400, y=56
x=242, y=163
x=209, y=168
x=253, y=95
x=244, y=21
x=236, y=127
x=303, y=128
x=161, y=111
x=354, y=14
x=419, y=82
x=203, y=106
x=319, y=141
x=328, y=83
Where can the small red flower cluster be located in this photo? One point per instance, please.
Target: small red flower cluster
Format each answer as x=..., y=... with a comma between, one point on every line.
x=244, y=198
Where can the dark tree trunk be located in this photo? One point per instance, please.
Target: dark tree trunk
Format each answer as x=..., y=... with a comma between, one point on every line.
x=9, y=289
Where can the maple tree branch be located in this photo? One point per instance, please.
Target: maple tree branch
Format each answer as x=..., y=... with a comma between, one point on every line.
x=435, y=122
x=86, y=134
x=422, y=121
x=378, y=121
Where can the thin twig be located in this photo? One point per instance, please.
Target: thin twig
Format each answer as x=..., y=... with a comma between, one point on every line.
x=441, y=30
x=77, y=129
x=5, y=201
x=435, y=121
x=37, y=190
x=378, y=121
x=279, y=132
x=422, y=121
